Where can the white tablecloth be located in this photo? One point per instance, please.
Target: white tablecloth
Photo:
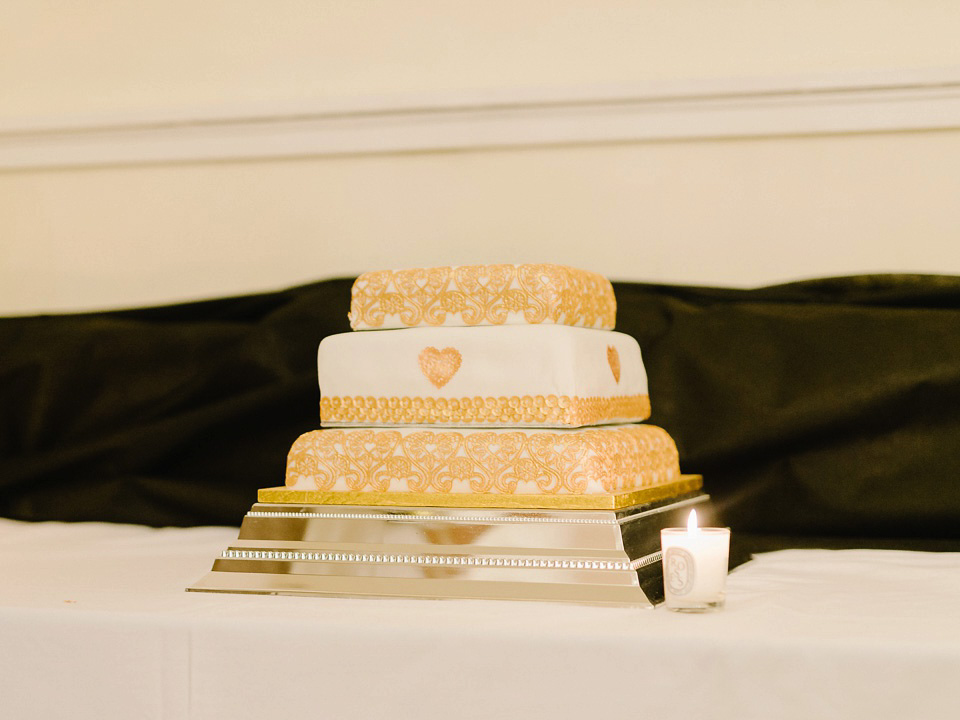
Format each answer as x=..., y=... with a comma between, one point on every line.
x=94, y=623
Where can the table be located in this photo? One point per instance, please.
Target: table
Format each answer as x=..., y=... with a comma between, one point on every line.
x=95, y=623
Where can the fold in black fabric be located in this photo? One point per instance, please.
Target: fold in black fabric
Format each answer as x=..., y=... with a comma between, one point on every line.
x=820, y=408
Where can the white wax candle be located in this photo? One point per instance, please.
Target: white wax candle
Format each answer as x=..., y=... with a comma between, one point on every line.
x=695, y=566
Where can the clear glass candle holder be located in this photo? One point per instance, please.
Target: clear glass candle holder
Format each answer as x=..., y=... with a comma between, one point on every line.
x=695, y=565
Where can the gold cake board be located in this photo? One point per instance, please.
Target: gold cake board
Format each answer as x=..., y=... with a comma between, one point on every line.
x=608, y=501
x=599, y=556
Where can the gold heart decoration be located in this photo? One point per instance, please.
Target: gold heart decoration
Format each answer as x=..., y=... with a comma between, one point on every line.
x=613, y=357
x=439, y=365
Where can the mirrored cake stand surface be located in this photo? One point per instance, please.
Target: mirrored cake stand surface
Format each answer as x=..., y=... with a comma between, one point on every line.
x=592, y=555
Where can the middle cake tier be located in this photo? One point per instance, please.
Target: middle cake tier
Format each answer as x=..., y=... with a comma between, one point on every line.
x=497, y=461
x=509, y=375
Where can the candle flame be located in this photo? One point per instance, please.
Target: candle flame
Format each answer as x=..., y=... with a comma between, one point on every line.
x=692, y=522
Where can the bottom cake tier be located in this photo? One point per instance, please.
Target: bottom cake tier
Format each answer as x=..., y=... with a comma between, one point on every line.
x=602, y=557
x=492, y=462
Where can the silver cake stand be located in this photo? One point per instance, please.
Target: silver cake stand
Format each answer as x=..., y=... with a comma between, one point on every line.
x=598, y=550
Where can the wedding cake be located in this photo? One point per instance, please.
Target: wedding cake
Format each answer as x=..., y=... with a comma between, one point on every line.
x=474, y=392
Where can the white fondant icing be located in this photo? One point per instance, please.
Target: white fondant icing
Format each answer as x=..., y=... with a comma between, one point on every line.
x=493, y=362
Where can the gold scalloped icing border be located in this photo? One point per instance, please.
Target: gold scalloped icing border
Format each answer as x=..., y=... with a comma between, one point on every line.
x=613, y=501
x=538, y=409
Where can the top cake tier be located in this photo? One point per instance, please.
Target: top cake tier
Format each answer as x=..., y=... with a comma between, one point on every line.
x=482, y=295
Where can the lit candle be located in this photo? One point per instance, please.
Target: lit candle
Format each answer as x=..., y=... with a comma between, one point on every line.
x=695, y=566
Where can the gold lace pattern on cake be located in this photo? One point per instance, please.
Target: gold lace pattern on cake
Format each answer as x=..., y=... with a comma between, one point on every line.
x=526, y=410
x=445, y=461
x=482, y=295
x=613, y=360
x=438, y=366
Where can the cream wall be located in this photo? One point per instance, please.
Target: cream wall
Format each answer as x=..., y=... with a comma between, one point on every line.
x=739, y=211
x=61, y=59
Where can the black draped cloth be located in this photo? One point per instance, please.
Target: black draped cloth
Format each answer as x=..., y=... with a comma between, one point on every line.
x=819, y=412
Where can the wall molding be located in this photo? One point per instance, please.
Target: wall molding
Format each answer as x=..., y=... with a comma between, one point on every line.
x=715, y=109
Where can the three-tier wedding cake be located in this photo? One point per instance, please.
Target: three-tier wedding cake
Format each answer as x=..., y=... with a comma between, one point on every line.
x=481, y=435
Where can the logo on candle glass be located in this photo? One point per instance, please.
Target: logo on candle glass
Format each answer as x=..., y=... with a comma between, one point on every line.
x=679, y=565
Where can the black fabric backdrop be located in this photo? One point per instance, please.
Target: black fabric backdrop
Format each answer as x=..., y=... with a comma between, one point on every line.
x=824, y=412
